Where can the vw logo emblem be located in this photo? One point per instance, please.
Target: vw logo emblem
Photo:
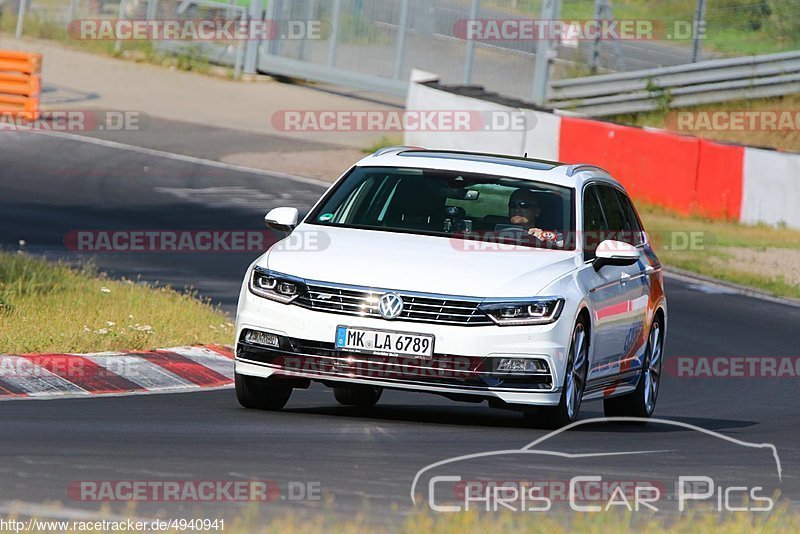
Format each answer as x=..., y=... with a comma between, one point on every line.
x=390, y=305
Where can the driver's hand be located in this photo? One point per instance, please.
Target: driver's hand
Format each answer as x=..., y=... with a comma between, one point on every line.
x=546, y=235
x=536, y=232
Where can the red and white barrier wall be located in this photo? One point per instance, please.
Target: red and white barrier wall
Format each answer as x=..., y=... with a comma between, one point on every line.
x=683, y=173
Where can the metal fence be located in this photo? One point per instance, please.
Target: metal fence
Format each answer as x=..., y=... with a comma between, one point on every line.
x=374, y=44
x=220, y=52
x=380, y=41
x=705, y=82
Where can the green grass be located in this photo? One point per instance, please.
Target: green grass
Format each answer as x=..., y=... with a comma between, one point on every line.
x=783, y=140
x=710, y=259
x=52, y=307
x=558, y=523
x=554, y=522
x=721, y=233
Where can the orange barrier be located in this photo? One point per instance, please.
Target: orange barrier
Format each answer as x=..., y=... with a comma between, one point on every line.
x=720, y=178
x=20, y=84
x=686, y=174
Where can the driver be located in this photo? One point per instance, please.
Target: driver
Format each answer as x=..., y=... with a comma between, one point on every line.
x=523, y=209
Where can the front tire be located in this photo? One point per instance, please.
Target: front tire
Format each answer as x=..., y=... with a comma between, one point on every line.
x=360, y=396
x=566, y=411
x=642, y=401
x=261, y=393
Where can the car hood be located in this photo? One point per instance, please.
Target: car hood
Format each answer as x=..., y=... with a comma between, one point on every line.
x=429, y=264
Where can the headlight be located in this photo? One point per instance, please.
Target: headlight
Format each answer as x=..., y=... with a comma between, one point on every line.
x=542, y=310
x=275, y=286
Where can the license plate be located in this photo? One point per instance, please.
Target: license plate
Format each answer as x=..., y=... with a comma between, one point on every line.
x=384, y=342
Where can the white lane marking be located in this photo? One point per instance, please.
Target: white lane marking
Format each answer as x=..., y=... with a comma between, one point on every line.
x=34, y=379
x=236, y=197
x=184, y=158
x=139, y=371
x=208, y=358
x=712, y=290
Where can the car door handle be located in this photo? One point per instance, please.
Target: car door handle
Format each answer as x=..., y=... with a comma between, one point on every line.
x=624, y=277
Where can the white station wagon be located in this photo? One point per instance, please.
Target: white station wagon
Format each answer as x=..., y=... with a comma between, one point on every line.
x=528, y=284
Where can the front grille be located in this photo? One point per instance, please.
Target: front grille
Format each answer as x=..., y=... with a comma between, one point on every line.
x=417, y=307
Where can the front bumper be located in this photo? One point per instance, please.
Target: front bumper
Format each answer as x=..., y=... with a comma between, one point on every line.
x=461, y=367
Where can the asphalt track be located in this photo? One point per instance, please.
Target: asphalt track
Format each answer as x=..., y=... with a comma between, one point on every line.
x=362, y=461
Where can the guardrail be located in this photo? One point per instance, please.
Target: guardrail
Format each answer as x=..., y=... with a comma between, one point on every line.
x=20, y=84
x=705, y=82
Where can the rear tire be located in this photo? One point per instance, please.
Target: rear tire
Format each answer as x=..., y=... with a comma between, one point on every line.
x=261, y=393
x=642, y=401
x=360, y=396
x=566, y=412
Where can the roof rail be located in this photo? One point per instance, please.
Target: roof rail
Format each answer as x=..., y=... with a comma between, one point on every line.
x=572, y=169
x=399, y=148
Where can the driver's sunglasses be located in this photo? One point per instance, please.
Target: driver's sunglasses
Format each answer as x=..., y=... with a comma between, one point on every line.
x=521, y=204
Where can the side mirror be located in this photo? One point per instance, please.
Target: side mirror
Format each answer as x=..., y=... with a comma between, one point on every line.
x=282, y=219
x=610, y=252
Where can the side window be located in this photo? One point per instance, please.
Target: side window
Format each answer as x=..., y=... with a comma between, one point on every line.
x=594, y=225
x=618, y=226
x=635, y=236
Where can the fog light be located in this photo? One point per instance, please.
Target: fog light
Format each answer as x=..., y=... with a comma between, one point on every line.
x=262, y=338
x=521, y=365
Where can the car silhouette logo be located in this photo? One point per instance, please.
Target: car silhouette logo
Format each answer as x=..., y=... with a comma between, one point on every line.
x=390, y=305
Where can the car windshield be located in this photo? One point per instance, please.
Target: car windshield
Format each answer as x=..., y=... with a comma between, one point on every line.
x=452, y=204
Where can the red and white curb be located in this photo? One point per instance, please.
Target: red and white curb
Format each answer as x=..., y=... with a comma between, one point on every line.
x=115, y=373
